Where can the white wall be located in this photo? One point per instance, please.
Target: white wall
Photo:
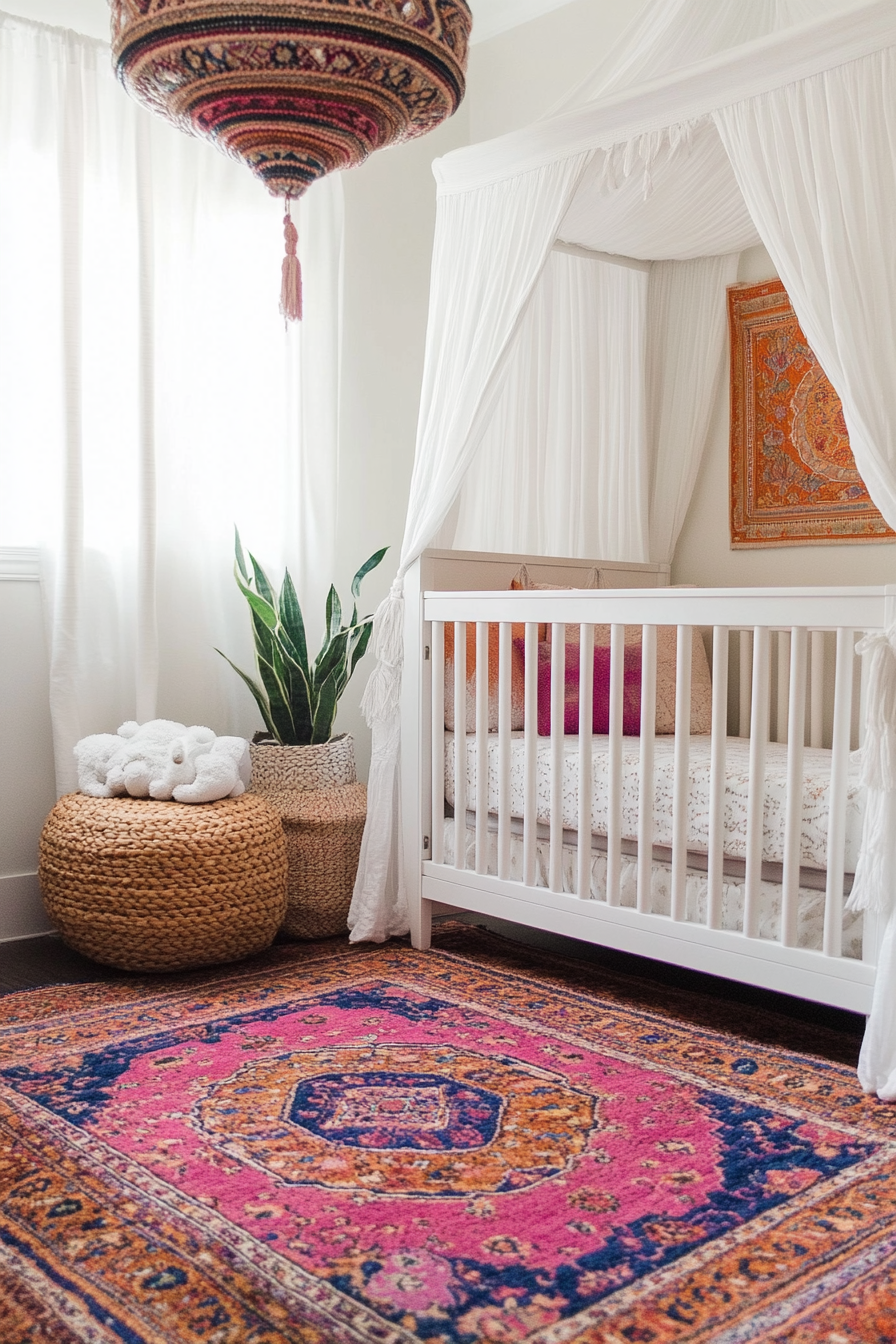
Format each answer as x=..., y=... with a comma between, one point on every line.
x=27, y=789
x=704, y=555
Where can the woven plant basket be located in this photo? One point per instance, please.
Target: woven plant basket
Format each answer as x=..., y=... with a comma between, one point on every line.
x=149, y=886
x=323, y=829
x=326, y=766
x=323, y=808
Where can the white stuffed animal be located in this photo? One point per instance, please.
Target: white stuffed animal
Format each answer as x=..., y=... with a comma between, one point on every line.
x=140, y=757
x=163, y=759
x=200, y=769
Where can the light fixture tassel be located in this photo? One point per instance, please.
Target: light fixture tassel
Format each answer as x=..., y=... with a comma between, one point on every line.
x=291, y=285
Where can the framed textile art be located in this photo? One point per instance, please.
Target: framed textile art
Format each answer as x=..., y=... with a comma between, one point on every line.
x=793, y=476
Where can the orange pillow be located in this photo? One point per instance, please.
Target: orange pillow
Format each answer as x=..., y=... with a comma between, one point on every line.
x=517, y=678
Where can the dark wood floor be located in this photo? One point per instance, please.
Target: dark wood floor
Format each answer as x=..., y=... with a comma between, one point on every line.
x=760, y=1014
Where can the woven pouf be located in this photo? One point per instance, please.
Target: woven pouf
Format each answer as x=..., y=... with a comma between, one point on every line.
x=150, y=886
x=323, y=830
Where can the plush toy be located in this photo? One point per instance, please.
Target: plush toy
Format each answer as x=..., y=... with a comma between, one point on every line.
x=163, y=759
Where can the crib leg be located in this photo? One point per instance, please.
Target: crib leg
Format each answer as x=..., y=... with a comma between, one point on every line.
x=421, y=924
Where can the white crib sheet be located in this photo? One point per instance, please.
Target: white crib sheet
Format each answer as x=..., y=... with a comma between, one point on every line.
x=816, y=792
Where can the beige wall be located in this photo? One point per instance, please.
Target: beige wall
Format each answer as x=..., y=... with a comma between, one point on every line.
x=704, y=555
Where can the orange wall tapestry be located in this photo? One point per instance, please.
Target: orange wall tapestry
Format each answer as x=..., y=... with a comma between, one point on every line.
x=793, y=476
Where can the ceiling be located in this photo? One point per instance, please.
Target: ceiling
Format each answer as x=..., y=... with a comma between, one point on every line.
x=491, y=17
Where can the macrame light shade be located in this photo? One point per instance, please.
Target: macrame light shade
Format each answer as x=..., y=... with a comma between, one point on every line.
x=295, y=90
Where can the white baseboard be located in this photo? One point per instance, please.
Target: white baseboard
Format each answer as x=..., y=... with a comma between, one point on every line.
x=22, y=913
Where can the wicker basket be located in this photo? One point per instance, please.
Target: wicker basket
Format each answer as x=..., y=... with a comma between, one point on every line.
x=323, y=829
x=326, y=766
x=149, y=886
x=323, y=807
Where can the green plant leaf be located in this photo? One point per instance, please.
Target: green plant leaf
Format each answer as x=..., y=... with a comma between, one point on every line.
x=263, y=583
x=257, y=692
x=360, y=647
x=334, y=613
x=258, y=604
x=332, y=653
x=325, y=712
x=293, y=624
x=278, y=697
x=240, y=558
x=365, y=569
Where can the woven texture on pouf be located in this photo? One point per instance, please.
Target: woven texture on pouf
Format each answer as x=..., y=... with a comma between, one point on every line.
x=149, y=886
x=323, y=829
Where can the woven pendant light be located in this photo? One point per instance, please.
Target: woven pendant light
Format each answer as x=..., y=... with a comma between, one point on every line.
x=295, y=89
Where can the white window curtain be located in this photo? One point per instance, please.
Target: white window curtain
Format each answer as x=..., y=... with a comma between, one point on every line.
x=815, y=162
x=149, y=396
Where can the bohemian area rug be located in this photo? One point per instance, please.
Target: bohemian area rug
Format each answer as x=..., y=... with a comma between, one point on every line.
x=339, y=1146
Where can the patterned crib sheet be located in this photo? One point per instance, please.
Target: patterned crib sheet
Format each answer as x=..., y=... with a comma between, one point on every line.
x=815, y=804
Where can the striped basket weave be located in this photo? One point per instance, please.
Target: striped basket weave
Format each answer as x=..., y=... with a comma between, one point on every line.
x=150, y=886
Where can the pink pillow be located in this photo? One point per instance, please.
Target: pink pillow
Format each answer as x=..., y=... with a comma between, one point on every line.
x=600, y=719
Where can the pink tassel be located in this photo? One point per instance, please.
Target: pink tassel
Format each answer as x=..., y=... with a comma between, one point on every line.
x=291, y=287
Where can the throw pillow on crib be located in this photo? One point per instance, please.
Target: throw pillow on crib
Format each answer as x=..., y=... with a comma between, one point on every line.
x=520, y=581
x=666, y=663
x=517, y=678
x=600, y=712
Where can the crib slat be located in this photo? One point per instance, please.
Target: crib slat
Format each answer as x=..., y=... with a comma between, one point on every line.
x=558, y=696
x=793, y=818
x=718, y=744
x=481, y=747
x=586, y=725
x=530, y=754
x=460, y=744
x=783, y=684
x=816, y=693
x=614, y=792
x=756, y=798
x=505, y=654
x=646, y=781
x=743, y=728
x=438, y=742
x=680, y=777
x=833, y=901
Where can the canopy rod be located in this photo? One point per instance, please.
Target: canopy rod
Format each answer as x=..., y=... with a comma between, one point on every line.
x=589, y=254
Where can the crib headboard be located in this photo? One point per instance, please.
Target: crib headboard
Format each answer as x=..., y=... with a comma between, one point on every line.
x=468, y=571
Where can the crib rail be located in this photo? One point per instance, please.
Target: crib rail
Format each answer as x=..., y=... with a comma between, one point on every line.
x=555, y=785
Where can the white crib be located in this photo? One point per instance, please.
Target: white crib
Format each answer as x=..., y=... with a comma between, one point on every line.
x=730, y=853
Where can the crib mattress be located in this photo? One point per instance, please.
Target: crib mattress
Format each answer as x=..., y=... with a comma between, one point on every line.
x=810, y=904
x=815, y=800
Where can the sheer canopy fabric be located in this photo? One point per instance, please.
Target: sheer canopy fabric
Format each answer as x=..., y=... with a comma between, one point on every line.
x=568, y=470
x=788, y=137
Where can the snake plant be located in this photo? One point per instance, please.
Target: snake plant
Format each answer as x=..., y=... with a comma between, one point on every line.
x=298, y=698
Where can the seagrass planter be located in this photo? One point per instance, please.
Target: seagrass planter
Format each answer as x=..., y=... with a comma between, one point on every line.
x=322, y=807
x=151, y=886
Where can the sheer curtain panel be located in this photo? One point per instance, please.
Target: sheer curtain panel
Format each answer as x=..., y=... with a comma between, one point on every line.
x=149, y=397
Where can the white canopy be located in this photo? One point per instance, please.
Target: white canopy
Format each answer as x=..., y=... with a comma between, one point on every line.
x=555, y=375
